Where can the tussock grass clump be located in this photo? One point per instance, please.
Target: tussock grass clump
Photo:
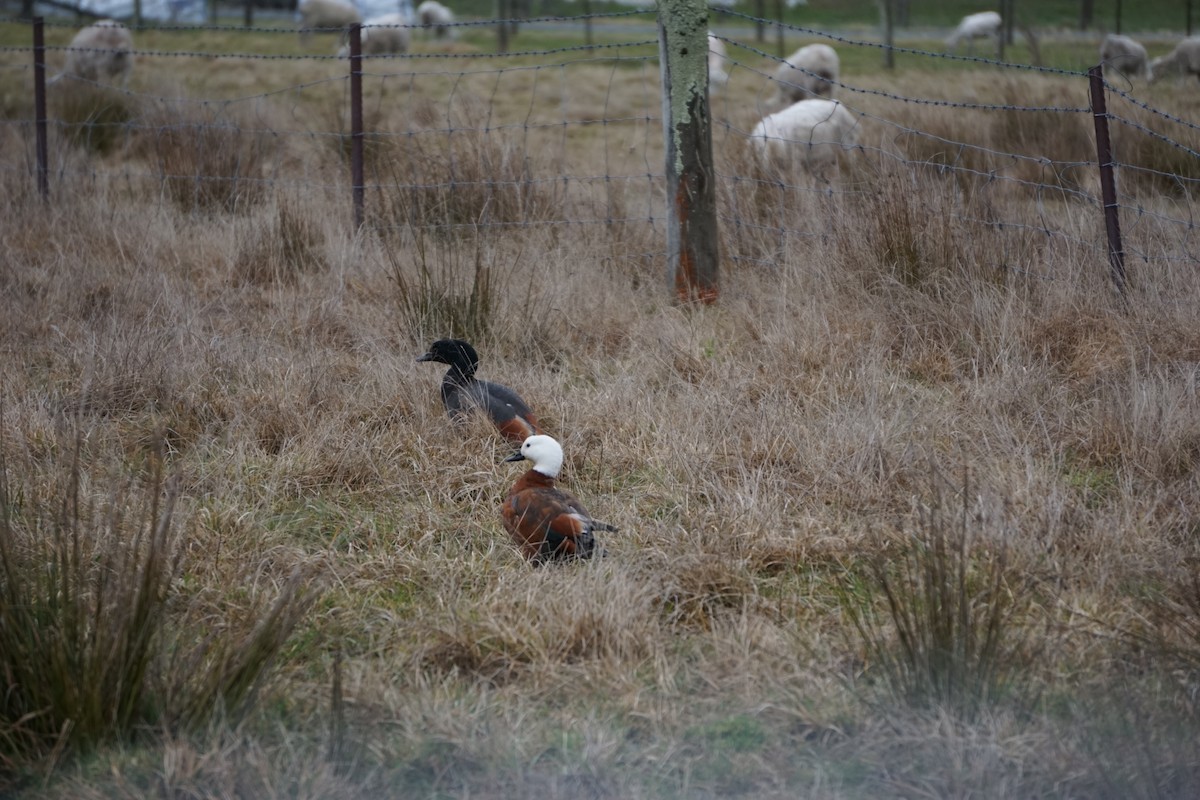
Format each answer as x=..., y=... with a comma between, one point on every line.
x=447, y=287
x=1156, y=148
x=92, y=643
x=466, y=175
x=703, y=590
x=1058, y=147
x=902, y=229
x=94, y=117
x=288, y=244
x=206, y=159
x=220, y=661
x=85, y=583
x=1167, y=630
x=1043, y=148
x=763, y=210
x=1178, y=613
x=541, y=624
x=961, y=612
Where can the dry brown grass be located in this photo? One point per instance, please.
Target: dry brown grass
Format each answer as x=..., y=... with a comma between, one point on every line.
x=872, y=333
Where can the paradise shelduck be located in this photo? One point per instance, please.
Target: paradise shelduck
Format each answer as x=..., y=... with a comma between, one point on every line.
x=462, y=391
x=544, y=521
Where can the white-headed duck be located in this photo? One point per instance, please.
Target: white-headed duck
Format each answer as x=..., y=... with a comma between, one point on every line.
x=545, y=522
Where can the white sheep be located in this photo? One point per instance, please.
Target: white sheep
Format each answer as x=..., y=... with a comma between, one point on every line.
x=984, y=25
x=326, y=14
x=815, y=130
x=1184, y=58
x=433, y=15
x=717, y=76
x=810, y=71
x=1125, y=55
x=103, y=51
x=386, y=33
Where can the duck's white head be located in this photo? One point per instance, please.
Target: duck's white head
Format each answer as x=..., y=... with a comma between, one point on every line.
x=545, y=453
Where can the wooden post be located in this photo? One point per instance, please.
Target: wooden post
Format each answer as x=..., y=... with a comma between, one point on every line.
x=502, y=12
x=779, y=45
x=692, y=253
x=587, y=23
x=888, y=9
x=1108, y=186
x=356, y=123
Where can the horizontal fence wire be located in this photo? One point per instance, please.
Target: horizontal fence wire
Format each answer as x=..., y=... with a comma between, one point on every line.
x=557, y=132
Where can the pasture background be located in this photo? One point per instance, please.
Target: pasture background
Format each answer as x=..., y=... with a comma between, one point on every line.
x=918, y=408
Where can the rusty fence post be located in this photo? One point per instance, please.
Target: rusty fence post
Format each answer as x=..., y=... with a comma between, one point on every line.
x=779, y=34
x=503, y=12
x=1108, y=185
x=39, y=107
x=692, y=252
x=356, y=123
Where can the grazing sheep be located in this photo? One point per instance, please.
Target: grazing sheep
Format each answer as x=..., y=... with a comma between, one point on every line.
x=984, y=25
x=103, y=51
x=386, y=33
x=1184, y=58
x=433, y=15
x=717, y=76
x=1125, y=55
x=815, y=129
x=326, y=14
x=811, y=70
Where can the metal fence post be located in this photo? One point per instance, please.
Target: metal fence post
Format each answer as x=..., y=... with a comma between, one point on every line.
x=503, y=9
x=1108, y=186
x=39, y=107
x=587, y=23
x=692, y=252
x=779, y=43
x=356, y=123
x=888, y=9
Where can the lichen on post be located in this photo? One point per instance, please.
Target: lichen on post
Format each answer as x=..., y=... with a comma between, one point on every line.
x=692, y=251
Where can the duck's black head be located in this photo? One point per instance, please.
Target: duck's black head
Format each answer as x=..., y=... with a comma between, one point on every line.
x=454, y=352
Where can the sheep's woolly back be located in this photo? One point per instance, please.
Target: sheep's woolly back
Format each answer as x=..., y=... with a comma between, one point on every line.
x=386, y=33
x=813, y=130
x=717, y=76
x=975, y=26
x=1184, y=58
x=1125, y=55
x=327, y=14
x=103, y=51
x=811, y=71
x=432, y=14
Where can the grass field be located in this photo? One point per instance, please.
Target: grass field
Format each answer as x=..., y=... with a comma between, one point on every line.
x=910, y=512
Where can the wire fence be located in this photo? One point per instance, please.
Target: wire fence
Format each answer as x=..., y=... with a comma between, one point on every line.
x=567, y=134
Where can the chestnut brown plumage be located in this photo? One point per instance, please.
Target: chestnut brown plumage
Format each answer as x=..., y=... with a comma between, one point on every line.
x=463, y=392
x=545, y=522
